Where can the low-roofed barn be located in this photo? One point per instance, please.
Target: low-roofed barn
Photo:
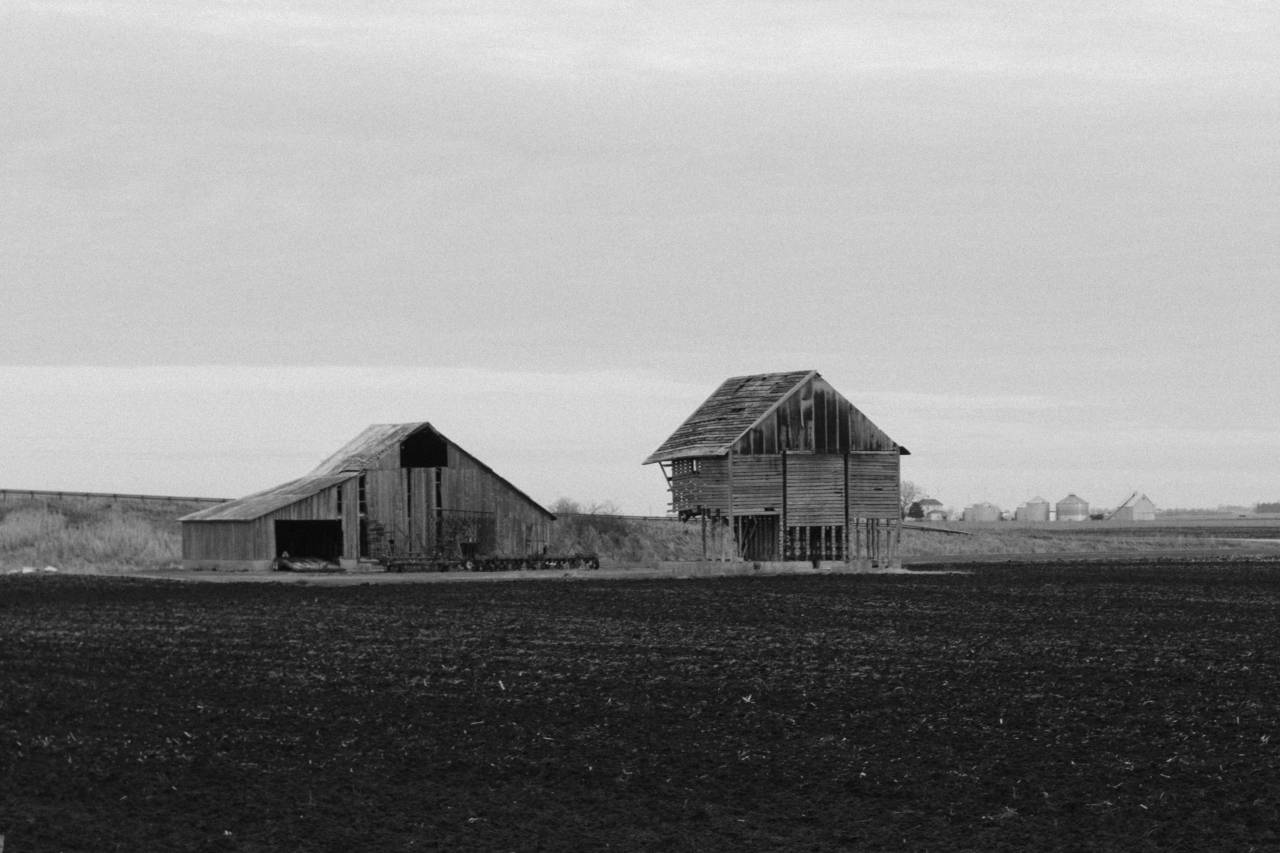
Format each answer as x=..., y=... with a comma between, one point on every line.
x=394, y=490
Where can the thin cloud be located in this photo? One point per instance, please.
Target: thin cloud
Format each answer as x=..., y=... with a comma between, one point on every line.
x=1137, y=41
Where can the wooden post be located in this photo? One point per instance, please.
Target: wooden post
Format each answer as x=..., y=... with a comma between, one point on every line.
x=845, y=545
x=733, y=540
x=782, y=518
x=702, y=514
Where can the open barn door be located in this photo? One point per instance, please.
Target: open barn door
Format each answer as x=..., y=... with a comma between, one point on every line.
x=319, y=539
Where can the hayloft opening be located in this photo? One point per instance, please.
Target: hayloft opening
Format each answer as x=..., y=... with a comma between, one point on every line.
x=424, y=449
x=319, y=539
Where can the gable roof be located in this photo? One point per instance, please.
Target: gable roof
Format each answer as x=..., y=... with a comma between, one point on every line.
x=348, y=461
x=363, y=451
x=731, y=410
x=1132, y=500
x=736, y=406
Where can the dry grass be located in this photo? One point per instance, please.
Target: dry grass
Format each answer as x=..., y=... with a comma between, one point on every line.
x=117, y=536
x=625, y=540
x=921, y=543
x=89, y=535
x=631, y=541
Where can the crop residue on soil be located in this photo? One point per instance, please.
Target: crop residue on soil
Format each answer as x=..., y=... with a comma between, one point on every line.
x=1048, y=706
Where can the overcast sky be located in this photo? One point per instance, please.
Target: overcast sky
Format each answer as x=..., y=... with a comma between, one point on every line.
x=1038, y=245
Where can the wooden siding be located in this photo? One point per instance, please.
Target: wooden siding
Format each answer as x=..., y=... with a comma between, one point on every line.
x=220, y=540
x=520, y=527
x=403, y=502
x=701, y=483
x=817, y=419
x=814, y=486
x=815, y=489
x=757, y=485
x=873, y=485
x=255, y=539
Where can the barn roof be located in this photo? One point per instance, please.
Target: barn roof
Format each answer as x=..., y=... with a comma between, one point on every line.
x=277, y=497
x=348, y=461
x=735, y=407
x=1132, y=500
x=361, y=452
x=731, y=410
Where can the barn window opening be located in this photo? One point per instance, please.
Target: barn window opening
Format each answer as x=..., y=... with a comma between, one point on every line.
x=364, y=496
x=424, y=449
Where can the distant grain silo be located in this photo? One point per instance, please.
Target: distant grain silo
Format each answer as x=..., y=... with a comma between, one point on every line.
x=982, y=512
x=1036, y=509
x=1073, y=508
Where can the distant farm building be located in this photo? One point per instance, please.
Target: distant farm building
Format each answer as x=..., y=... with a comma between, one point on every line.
x=1136, y=507
x=1072, y=508
x=394, y=490
x=1036, y=509
x=788, y=469
x=928, y=509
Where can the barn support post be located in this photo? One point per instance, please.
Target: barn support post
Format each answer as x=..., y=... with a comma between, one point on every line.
x=733, y=541
x=702, y=515
x=844, y=546
x=782, y=518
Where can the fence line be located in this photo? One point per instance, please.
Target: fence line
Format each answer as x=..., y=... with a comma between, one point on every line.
x=617, y=516
x=39, y=495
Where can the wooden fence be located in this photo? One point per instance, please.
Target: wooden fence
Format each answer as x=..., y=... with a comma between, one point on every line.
x=11, y=495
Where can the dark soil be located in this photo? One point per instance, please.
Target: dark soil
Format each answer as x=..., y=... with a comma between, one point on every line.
x=1124, y=706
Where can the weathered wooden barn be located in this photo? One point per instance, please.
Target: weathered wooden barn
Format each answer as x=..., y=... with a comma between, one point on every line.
x=791, y=468
x=394, y=490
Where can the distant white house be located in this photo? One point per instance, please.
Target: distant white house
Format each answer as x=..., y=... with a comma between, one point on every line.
x=928, y=509
x=1136, y=507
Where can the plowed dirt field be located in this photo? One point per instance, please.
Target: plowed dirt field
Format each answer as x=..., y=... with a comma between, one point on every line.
x=1066, y=706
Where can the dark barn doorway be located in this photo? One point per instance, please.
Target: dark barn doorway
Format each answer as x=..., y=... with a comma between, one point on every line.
x=322, y=539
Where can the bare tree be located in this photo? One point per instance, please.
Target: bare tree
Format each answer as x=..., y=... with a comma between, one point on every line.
x=909, y=493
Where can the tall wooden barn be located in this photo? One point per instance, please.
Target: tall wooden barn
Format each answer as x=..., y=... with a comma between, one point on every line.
x=790, y=467
x=393, y=490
